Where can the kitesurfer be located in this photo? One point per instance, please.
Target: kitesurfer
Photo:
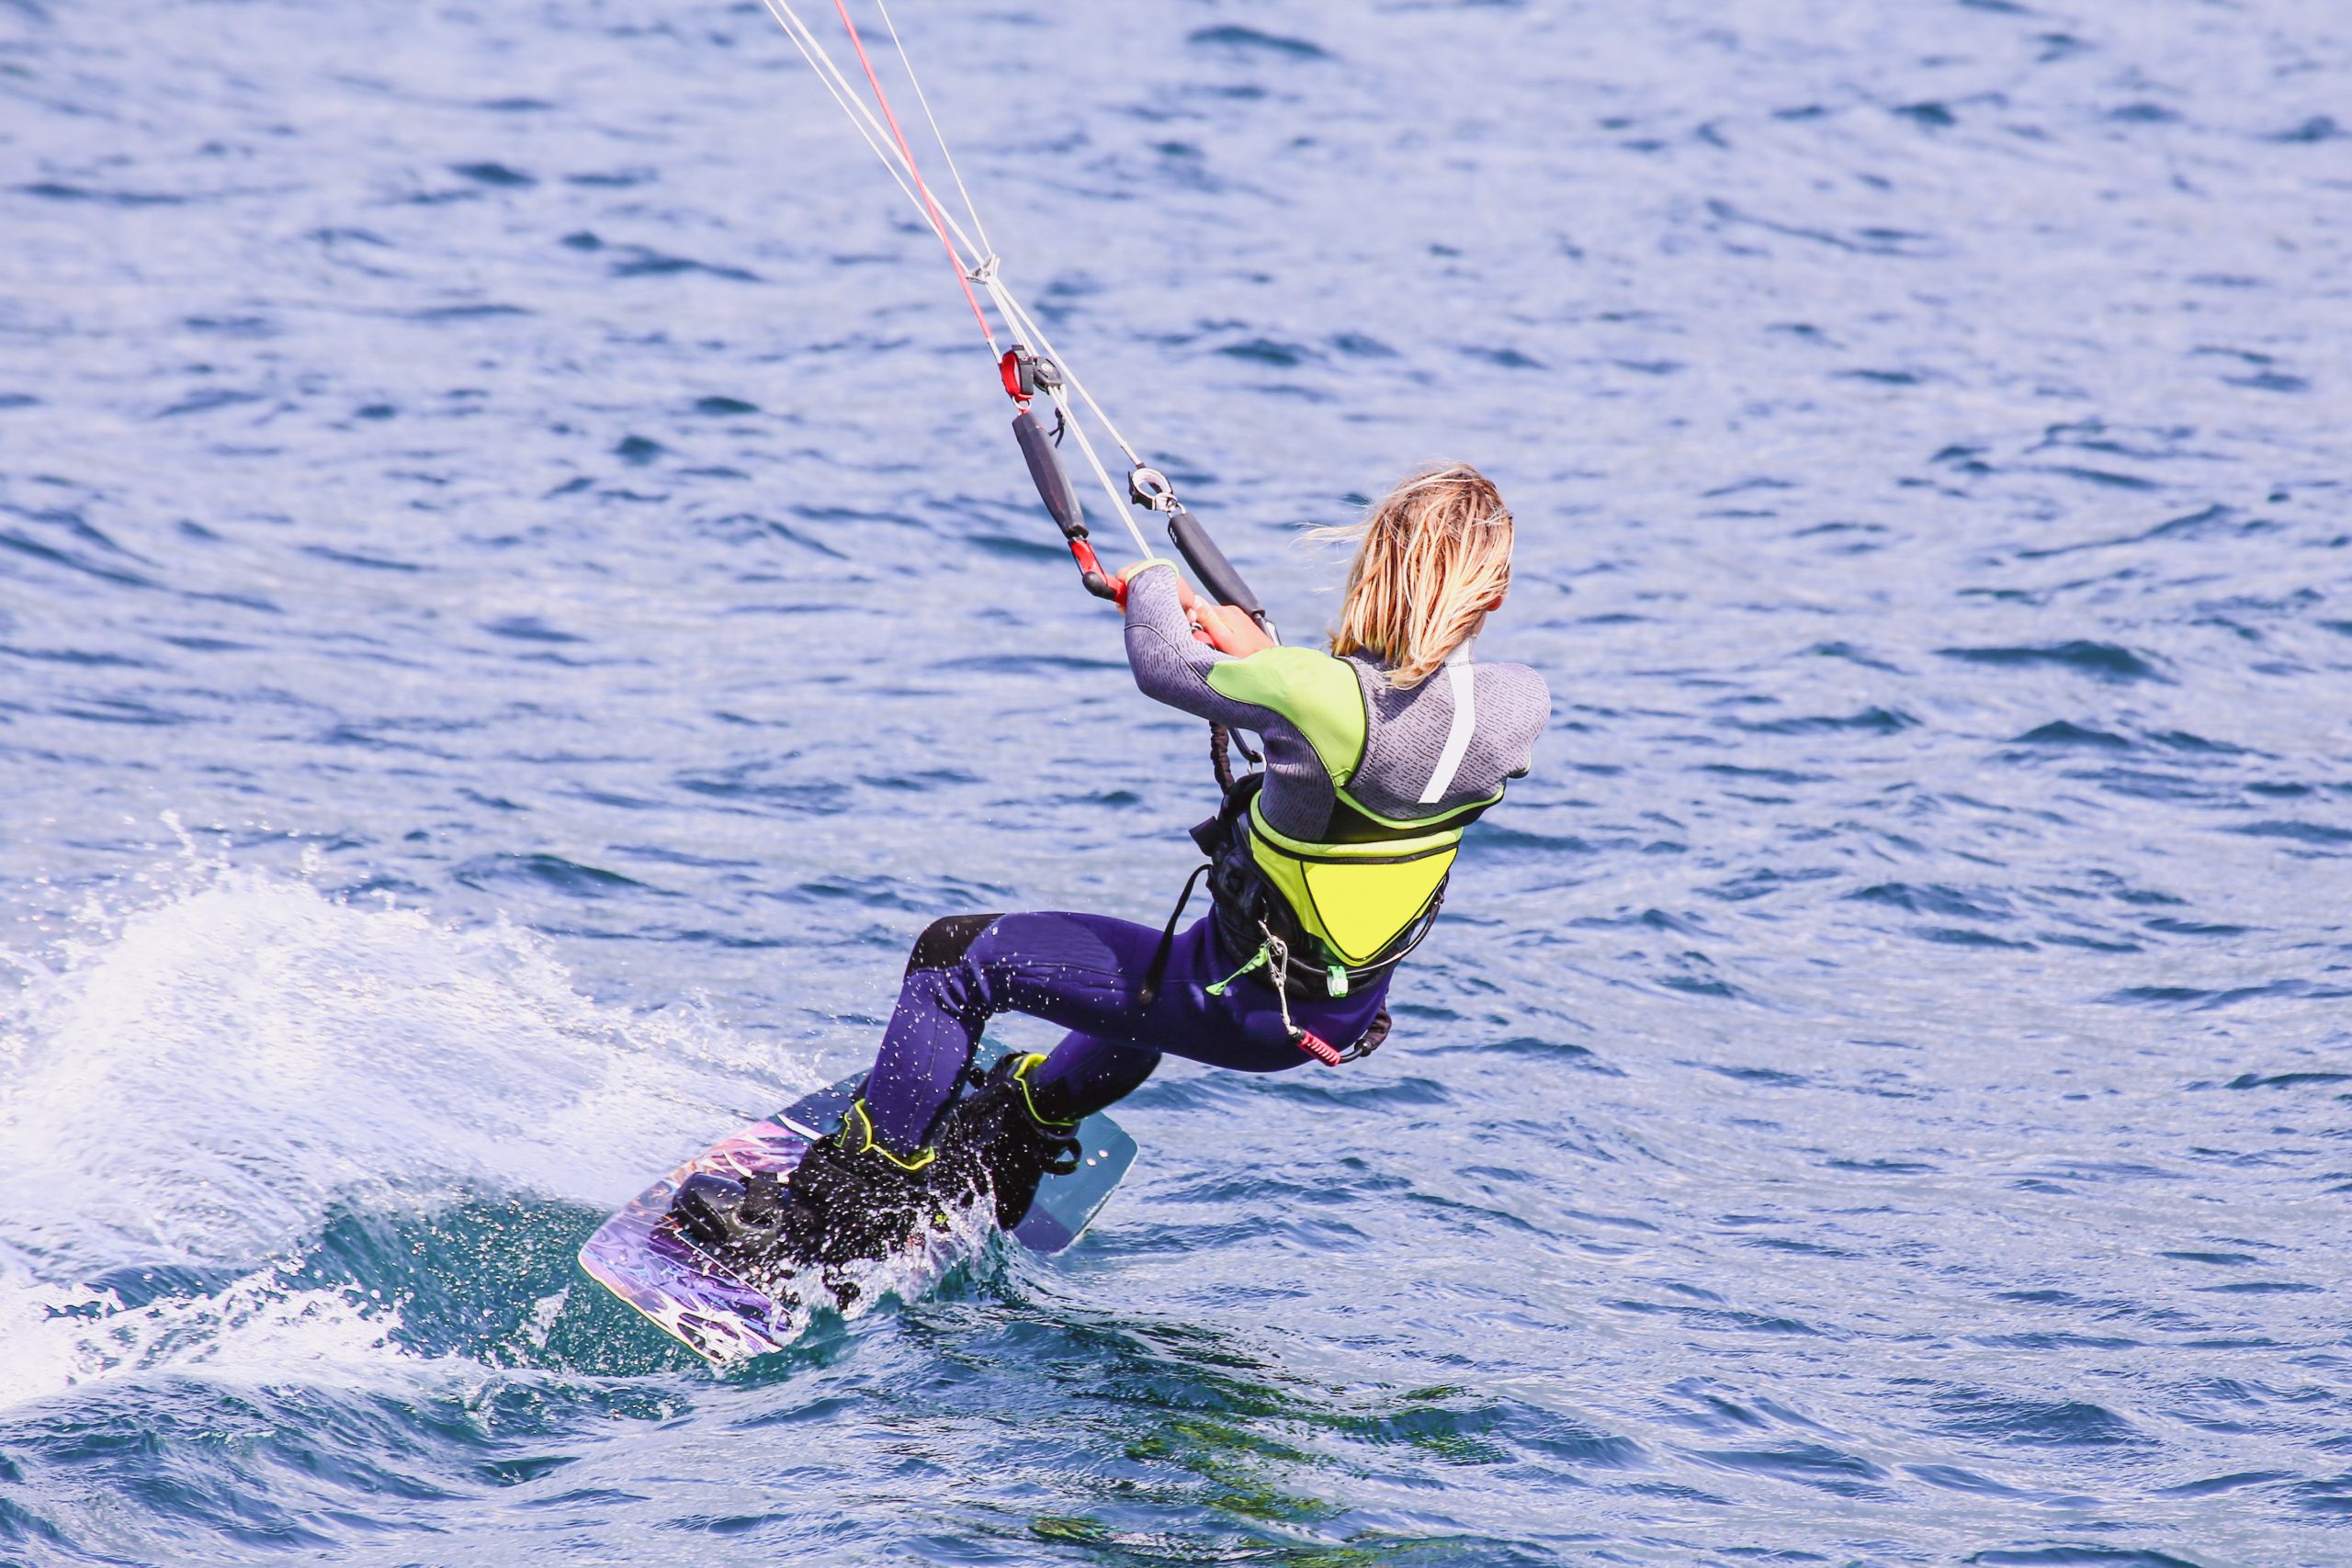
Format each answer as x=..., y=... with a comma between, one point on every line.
x=1325, y=870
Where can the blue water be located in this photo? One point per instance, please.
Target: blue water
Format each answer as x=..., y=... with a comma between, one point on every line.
x=517, y=604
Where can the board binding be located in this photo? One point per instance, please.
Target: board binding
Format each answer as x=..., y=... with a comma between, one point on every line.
x=641, y=1255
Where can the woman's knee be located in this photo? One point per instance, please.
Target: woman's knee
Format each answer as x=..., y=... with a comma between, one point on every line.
x=945, y=942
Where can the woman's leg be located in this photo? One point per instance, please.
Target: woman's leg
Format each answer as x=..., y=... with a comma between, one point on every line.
x=927, y=1044
x=1087, y=1073
x=1203, y=1014
x=1085, y=973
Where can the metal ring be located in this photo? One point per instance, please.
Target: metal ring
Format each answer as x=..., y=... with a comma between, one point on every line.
x=1150, y=487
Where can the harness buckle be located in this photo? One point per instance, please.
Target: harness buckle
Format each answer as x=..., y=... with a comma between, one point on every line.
x=1370, y=1040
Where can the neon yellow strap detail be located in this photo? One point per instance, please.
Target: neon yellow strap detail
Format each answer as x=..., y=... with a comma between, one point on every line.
x=1255, y=960
x=1399, y=848
x=1145, y=565
x=1316, y=692
x=1406, y=823
x=865, y=1124
x=1021, y=1076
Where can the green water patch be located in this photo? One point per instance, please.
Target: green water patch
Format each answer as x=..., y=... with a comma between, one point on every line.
x=1089, y=1539
x=1172, y=1442
x=493, y=1280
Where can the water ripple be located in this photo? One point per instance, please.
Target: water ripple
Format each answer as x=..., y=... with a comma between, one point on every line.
x=514, y=609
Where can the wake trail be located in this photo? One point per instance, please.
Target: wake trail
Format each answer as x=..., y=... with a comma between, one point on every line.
x=191, y=1087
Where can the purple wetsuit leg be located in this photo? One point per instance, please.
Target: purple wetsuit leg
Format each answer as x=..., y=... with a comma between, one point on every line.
x=1087, y=1072
x=1086, y=973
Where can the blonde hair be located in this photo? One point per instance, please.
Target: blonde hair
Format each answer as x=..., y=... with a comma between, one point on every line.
x=1432, y=556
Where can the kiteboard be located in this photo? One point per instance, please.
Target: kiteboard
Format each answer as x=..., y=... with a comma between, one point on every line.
x=728, y=1314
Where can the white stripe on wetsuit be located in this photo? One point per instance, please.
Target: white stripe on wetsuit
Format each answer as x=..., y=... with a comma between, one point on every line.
x=1466, y=719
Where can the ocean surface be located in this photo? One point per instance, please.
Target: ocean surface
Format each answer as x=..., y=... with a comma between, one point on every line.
x=517, y=604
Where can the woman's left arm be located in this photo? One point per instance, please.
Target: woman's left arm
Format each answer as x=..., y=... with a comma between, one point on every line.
x=1176, y=657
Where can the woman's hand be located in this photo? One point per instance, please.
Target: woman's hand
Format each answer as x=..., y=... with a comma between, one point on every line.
x=1119, y=583
x=1226, y=627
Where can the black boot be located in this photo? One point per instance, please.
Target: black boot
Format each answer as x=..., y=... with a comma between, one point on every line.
x=849, y=1199
x=994, y=1140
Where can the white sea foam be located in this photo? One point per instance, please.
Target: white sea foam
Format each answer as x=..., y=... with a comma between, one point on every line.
x=196, y=1081
x=907, y=1275
x=255, y=1331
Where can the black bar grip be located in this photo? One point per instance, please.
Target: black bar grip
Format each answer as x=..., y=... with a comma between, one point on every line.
x=1208, y=563
x=1046, y=468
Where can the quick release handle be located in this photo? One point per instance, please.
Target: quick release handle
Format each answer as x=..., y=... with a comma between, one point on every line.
x=1208, y=564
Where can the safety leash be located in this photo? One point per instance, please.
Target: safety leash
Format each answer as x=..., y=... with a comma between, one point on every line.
x=1276, y=952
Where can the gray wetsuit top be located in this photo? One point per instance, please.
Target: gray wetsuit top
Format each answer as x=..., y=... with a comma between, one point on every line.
x=1334, y=725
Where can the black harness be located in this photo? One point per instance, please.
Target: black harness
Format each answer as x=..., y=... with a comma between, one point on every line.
x=1251, y=917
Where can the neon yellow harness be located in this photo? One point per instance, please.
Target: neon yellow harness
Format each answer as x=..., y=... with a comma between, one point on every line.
x=1362, y=896
x=1358, y=899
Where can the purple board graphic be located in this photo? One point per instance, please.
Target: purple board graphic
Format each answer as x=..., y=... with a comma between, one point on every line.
x=641, y=1257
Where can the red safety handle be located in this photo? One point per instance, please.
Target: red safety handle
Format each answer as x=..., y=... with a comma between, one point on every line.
x=1315, y=1045
x=1098, y=583
x=1020, y=376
